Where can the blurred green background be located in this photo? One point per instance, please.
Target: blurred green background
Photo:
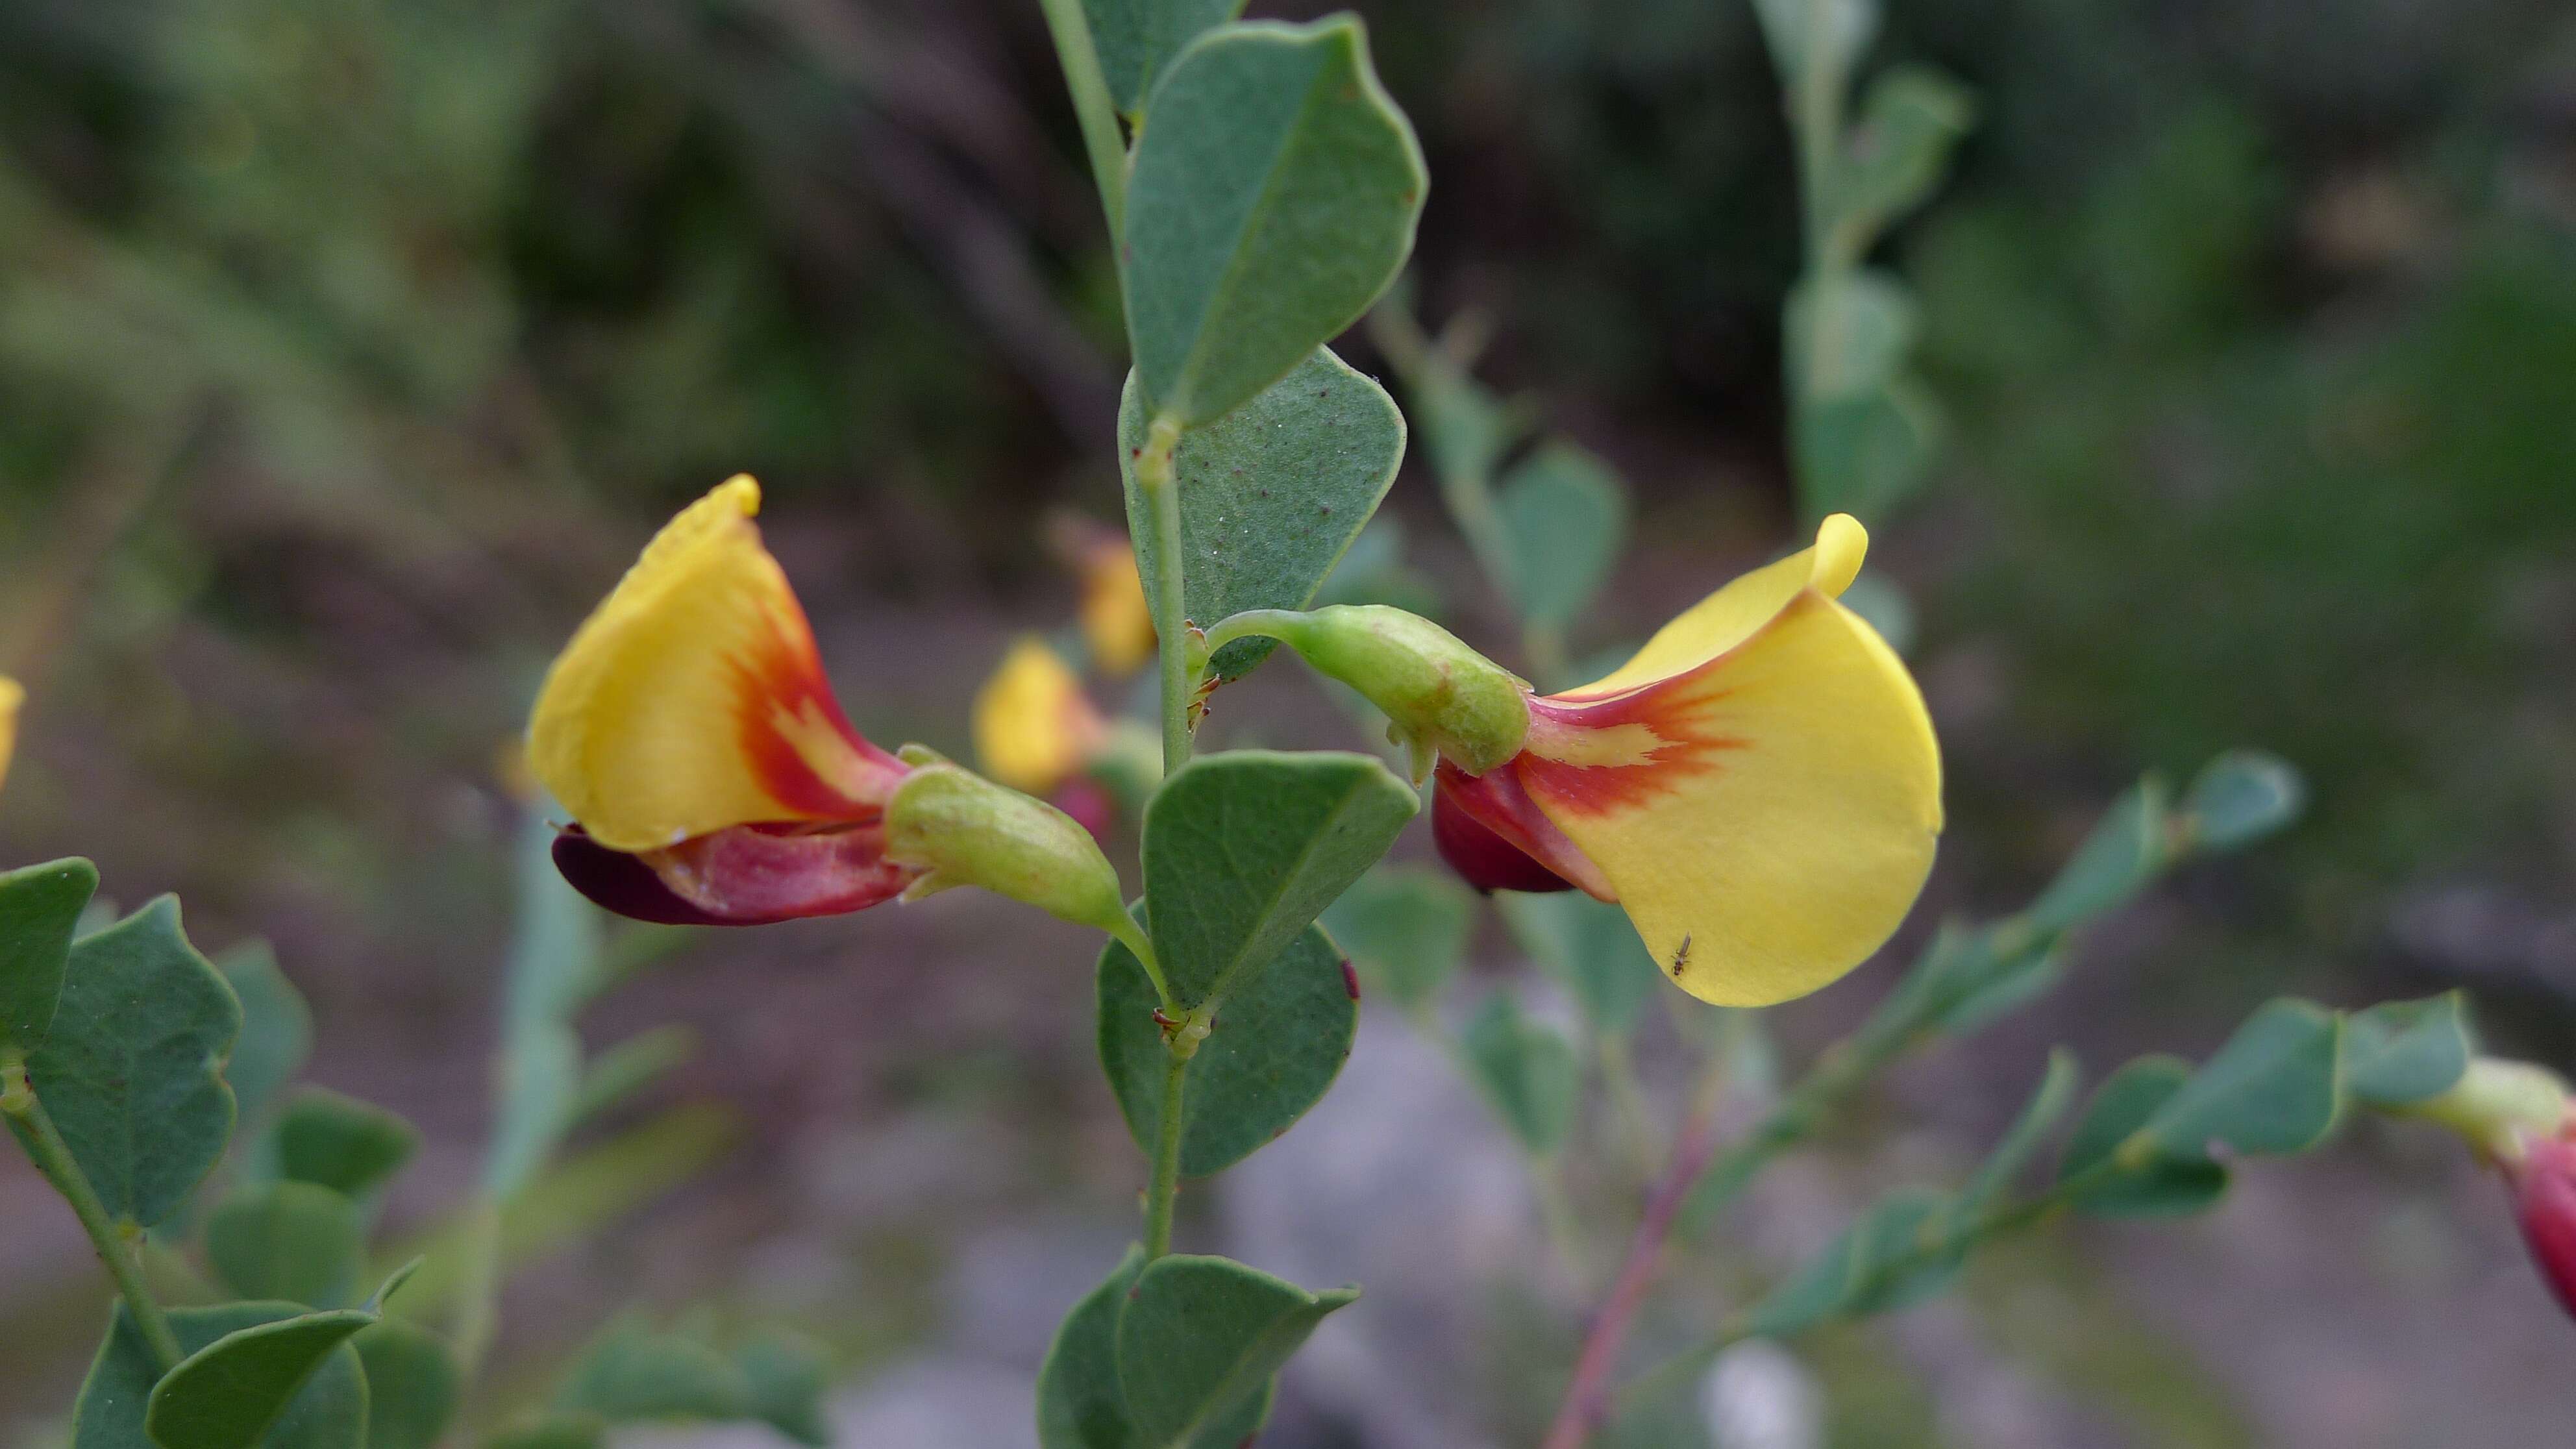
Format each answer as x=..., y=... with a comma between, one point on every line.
x=348, y=347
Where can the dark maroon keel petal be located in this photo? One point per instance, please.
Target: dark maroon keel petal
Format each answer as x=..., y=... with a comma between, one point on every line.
x=1482, y=858
x=2545, y=1199
x=622, y=883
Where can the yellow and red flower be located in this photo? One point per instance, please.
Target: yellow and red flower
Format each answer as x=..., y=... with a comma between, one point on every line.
x=1759, y=787
x=690, y=732
x=1034, y=727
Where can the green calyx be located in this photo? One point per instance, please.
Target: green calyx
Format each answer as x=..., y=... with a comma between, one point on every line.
x=1438, y=695
x=962, y=829
x=2500, y=1106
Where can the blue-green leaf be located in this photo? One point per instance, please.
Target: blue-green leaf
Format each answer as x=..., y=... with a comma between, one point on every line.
x=328, y=1411
x=40, y=907
x=1406, y=928
x=2273, y=1088
x=2139, y=1183
x=335, y=1141
x=2405, y=1051
x=1199, y=1338
x=2241, y=797
x=413, y=1385
x=230, y=1393
x=1566, y=515
x=1529, y=1072
x=2124, y=852
x=287, y=1240
x=277, y=1028
x=1136, y=39
x=1272, y=197
x=1080, y=1405
x=1590, y=948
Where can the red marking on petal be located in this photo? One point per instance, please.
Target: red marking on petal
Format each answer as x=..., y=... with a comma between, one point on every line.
x=2545, y=1200
x=747, y=876
x=1491, y=834
x=783, y=682
x=1676, y=714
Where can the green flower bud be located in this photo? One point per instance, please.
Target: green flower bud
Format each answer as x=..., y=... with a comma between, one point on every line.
x=962, y=829
x=1437, y=693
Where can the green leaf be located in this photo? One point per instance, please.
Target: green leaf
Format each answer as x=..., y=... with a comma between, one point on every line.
x=1908, y=125
x=1277, y=1045
x=40, y=907
x=339, y=1142
x=1865, y=452
x=2405, y=1051
x=633, y=1065
x=2124, y=853
x=554, y=968
x=1271, y=495
x=1079, y=1402
x=1590, y=948
x=2241, y=797
x=2021, y=1142
x=277, y=1028
x=1272, y=197
x=1566, y=515
x=1406, y=928
x=288, y=1240
x=132, y=1071
x=632, y=1371
x=786, y=1375
x=1848, y=333
x=227, y=1394
x=1465, y=430
x=328, y=1412
x=2149, y=1185
x=2271, y=1089
x=413, y=1385
x=1136, y=39
x=552, y=1431
x=1529, y=1072
x=1201, y=1337
x=1893, y=1256
x=1244, y=849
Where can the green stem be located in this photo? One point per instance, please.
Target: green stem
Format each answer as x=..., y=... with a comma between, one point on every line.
x=1171, y=619
x=1628, y=1104
x=53, y=1157
x=1092, y=107
x=1133, y=937
x=1166, y=1189
x=478, y=1314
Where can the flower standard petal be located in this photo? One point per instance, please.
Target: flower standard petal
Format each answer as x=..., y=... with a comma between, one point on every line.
x=1760, y=787
x=692, y=699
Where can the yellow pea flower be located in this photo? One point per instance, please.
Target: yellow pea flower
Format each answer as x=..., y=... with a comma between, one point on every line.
x=12, y=695
x=1116, y=622
x=1759, y=787
x=689, y=730
x=1034, y=727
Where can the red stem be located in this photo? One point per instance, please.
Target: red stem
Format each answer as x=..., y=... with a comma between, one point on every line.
x=1589, y=1393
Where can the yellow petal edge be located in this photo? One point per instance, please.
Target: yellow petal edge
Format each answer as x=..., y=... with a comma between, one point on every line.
x=12, y=695
x=1798, y=849
x=645, y=726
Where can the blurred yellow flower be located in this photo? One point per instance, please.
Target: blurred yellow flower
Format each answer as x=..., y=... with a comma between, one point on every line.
x=1034, y=727
x=12, y=695
x=1759, y=787
x=1116, y=622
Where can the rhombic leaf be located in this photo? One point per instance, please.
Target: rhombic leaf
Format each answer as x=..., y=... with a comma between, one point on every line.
x=634, y=1371
x=341, y=1143
x=1567, y=518
x=1244, y=849
x=1528, y=1071
x=1279, y=1042
x=277, y=1028
x=1080, y=1405
x=413, y=1384
x=1271, y=494
x=324, y=1407
x=288, y=1240
x=1274, y=195
x=39, y=908
x=2405, y=1051
x=132, y=1069
x=1406, y=928
x=2271, y=1089
x=1136, y=39
x=1199, y=1337
x=2154, y=1185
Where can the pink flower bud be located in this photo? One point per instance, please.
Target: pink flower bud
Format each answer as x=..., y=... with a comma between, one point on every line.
x=2544, y=1190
